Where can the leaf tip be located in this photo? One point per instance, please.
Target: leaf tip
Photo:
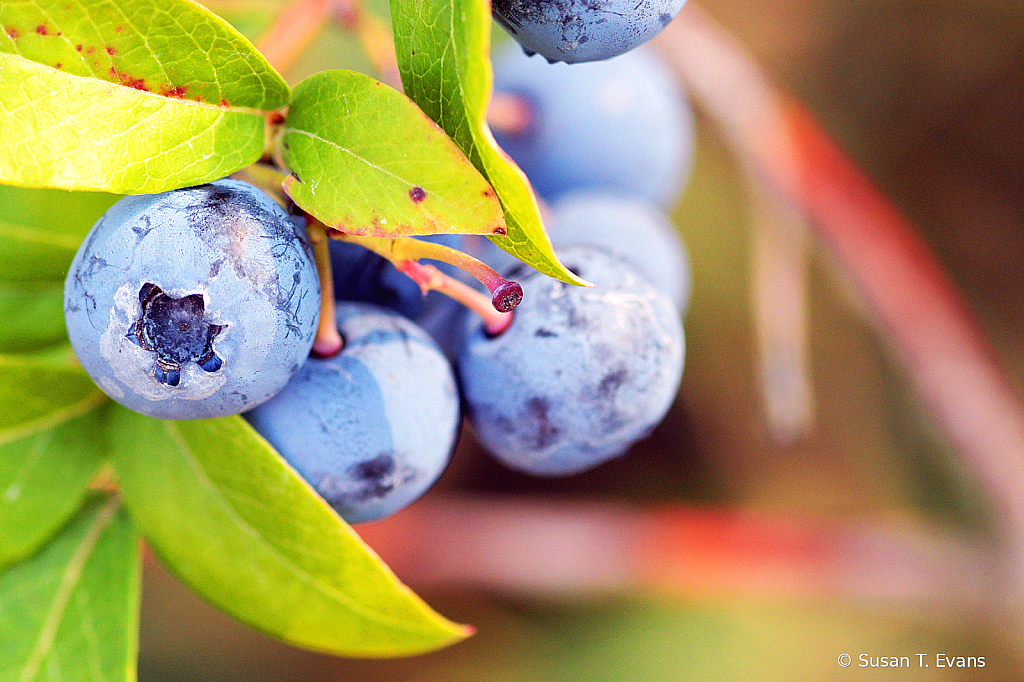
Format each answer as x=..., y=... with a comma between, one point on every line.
x=464, y=631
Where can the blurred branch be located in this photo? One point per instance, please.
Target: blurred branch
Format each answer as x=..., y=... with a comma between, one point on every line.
x=779, y=273
x=300, y=23
x=294, y=30
x=530, y=549
x=911, y=298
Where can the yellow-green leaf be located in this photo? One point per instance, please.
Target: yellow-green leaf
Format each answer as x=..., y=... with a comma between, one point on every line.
x=37, y=393
x=367, y=161
x=132, y=96
x=443, y=49
x=71, y=612
x=44, y=478
x=31, y=316
x=237, y=524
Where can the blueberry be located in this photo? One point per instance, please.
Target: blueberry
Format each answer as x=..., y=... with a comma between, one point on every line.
x=640, y=231
x=622, y=125
x=580, y=374
x=372, y=428
x=362, y=275
x=584, y=30
x=199, y=302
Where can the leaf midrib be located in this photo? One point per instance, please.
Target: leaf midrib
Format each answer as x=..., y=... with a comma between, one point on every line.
x=69, y=580
x=95, y=81
x=40, y=236
x=54, y=418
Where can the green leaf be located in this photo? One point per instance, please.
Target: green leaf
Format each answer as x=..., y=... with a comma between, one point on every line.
x=232, y=520
x=443, y=49
x=35, y=255
x=366, y=160
x=61, y=354
x=44, y=478
x=53, y=211
x=41, y=229
x=71, y=612
x=31, y=317
x=37, y=393
x=134, y=96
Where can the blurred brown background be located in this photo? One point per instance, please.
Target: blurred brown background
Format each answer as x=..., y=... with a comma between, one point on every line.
x=928, y=98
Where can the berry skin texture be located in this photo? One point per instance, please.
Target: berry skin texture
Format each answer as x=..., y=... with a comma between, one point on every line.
x=194, y=303
x=584, y=30
x=640, y=231
x=580, y=375
x=622, y=126
x=372, y=428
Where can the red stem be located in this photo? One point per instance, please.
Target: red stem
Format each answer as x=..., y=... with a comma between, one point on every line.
x=531, y=548
x=428, y=277
x=505, y=294
x=328, y=341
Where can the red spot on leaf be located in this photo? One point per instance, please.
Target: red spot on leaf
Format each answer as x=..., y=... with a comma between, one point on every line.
x=488, y=193
x=13, y=33
x=417, y=194
x=88, y=50
x=78, y=47
x=41, y=29
x=500, y=230
x=58, y=65
x=176, y=91
x=225, y=103
x=127, y=80
x=119, y=28
x=110, y=50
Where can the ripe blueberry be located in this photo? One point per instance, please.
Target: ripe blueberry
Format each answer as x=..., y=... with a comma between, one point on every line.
x=584, y=30
x=621, y=126
x=640, y=231
x=199, y=302
x=373, y=427
x=580, y=374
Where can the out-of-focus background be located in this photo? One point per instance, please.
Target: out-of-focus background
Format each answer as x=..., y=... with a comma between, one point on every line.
x=927, y=98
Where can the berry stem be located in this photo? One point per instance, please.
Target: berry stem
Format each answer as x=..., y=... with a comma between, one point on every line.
x=504, y=295
x=293, y=31
x=328, y=341
x=780, y=256
x=429, y=277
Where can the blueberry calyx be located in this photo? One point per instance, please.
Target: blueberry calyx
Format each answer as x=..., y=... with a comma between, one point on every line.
x=506, y=297
x=177, y=331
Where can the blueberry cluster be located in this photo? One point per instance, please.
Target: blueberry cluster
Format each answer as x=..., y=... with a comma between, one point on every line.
x=621, y=125
x=204, y=302
x=581, y=374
